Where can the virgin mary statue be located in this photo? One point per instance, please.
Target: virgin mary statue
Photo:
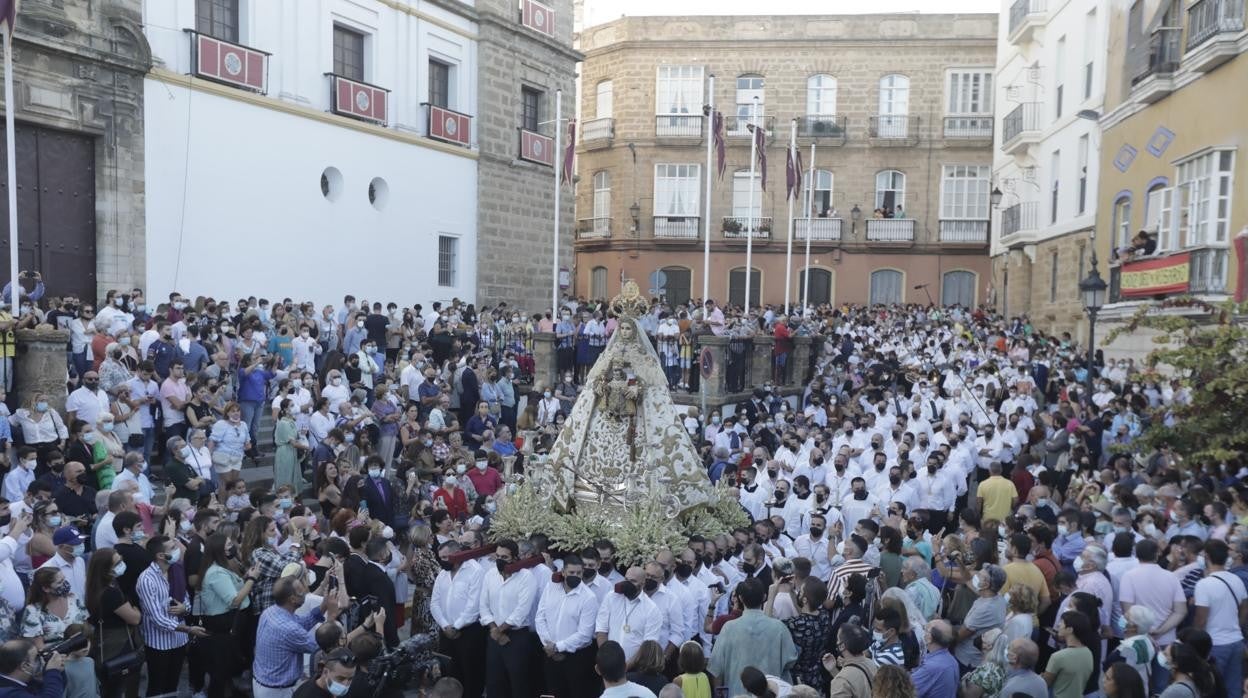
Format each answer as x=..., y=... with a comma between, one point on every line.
x=623, y=440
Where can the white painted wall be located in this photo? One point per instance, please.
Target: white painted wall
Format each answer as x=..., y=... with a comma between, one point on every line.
x=234, y=204
x=1066, y=18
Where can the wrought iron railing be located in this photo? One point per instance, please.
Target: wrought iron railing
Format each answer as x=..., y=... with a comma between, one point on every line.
x=968, y=126
x=1025, y=117
x=678, y=126
x=1208, y=18
x=740, y=226
x=598, y=129
x=821, y=229
x=890, y=229
x=588, y=228
x=1019, y=217
x=676, y=227
x=966, y=232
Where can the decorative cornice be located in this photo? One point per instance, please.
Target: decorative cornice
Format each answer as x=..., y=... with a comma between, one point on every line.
x=464, y=11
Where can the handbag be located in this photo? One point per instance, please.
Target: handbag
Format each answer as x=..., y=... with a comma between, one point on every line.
x=123, y=663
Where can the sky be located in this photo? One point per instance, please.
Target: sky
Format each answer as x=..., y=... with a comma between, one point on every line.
x=599, y=11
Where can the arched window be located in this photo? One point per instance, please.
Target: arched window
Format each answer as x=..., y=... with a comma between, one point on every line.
x=602, y=202
x=1122, y=220
x=736, y=286
x=679, y=279
x=598, y=283
x=821, y=201
x=890, y=191
x=820, y=286
x=958, y=288
x=821, y=95
x=894, y=106
x=885, y=286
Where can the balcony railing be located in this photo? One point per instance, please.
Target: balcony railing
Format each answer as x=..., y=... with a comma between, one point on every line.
x=676, y=227
x=740, y=127
x=739, y=227
x=357, y=99
x=1208, y=18
x=818, y=229
x=1162, y=57
x=968, y=126
x=821, y=126
x=891, y=127
x=964, y=232
x=448, y=125
x=890, y=229
x=537, y=147
x=229, y=62
x=1019, y=217
x=678, y=126
x=1208, y=270
x=592, y=228
x=1022, y=11
x=598, y=129
x=1025, y=118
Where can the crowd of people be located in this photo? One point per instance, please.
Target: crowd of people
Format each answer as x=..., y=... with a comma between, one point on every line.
x=942, y=510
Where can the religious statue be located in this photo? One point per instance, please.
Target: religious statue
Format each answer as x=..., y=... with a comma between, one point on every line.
x=618, y=394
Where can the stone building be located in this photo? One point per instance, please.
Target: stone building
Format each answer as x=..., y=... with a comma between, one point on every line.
x=899, y=108
x=78, y=92
x=1050, y=70
x=524, y=58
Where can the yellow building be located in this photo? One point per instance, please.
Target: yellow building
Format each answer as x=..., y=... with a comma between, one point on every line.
x=1173, y=155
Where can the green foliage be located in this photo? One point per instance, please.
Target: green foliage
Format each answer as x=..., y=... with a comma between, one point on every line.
x=521, y=514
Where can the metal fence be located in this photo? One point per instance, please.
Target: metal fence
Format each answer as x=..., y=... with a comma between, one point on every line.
x=740, y=364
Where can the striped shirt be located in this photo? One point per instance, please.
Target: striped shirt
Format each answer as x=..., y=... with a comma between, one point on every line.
x=893, y=654
x=159, y=626
x=281, y=641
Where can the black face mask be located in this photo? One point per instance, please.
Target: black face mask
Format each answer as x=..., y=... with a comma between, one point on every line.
x=683, y=570
x=627, y=589
x=501, y=565
x=772, y=474
x=588, y=575
x=818, y=460
x=894, y=480
x=572, y=582
x=749, y=568
x=879, y=467
x=860, y=495
x=57, y=467
x=652, y=585
x=780, y=497
x=931, y=470
x=821, y=498
x=446, y=565
x=4, y=520
x=84, y=479
x=606, y=566
x=708, y=560
x=816, y=532
x=840, y=467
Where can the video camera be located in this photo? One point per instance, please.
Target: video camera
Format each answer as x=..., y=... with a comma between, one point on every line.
x=65, y=647
x=406, y=665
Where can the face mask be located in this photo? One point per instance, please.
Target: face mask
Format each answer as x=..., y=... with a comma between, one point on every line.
x=184, y=525
x=1042, y=501
x=137, y=537
x=481, y=465
x=894, y=480
x=572, y=582
x=449, y=483
x=338, y=689
x=119, y=569
x=1078, y=565
x=30, y=464
x=627, y=589
x=878, y=637
x=446, y=565
x=749, y=568
x=428, y=443
x=285, y=502
x=1163, y=661
x=1121, y=624
x=1062, y=529
x=374, y=473
x=715, y=420
x=816, y=532
x=54, y=521
x=273, y=541
x=1150, y=530
x=175, y=555
x=461, y=468
x=651, y=586
x=546, y=394
x=975, y=583
x=860, y=495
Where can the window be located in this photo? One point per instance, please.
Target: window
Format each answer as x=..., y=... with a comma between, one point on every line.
x=821, y=95
x=1122, y=220
x=958, y=288
x=736, y=287
x=969, y=92
x=1083, y=173
x=1055, y=174
x=1153, y=204
x=1204, y=186
x=598, y=283
x=602, y=197
x=530, y=108
x=749, y=87
x=890, y=190
x=448, y=260
x=217, y=18
x=676, y=190
x=1059, y=75
x=743, y=204
x=1053, y=276
x=821, y=200
x=348, y=53
x=885, y=286
x=964, y=192
x=820, y=286
x=894, y=106
x=439, y=84
x=679, y=90
x=1089, y=52
x=679, y=281
x=604, y=100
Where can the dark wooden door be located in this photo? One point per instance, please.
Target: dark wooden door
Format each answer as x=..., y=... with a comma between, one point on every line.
x=55, y=209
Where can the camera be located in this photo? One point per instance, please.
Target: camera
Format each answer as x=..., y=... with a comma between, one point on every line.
x=406, y=665
x=360, y=609
x=66, y=647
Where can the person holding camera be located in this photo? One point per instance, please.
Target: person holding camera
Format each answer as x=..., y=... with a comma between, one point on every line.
x=24, y=672
x=283, y=638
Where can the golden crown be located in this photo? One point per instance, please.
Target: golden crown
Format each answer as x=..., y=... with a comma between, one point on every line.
x=630, y=302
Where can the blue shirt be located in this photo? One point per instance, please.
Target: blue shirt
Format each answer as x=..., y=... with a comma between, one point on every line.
x=717, y=471
x=162, y=354
x=281, y=641
x=253, y=385
x=1068, y=547
x=195, y=358
x=504, y=448
x=937, y=676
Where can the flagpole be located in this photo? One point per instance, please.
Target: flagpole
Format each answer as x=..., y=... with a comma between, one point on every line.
x=749, y=214
x=810, y=193
x=788, y=250
x=706, y=220
x=10, y=142
x=554, y=264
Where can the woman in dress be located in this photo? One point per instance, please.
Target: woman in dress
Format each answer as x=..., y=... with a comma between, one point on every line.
x=114, y=621
x=286, y=468
x=108, y=449
x=50, y=608
x=422, y=572
x=811, y=630
x=230, y=440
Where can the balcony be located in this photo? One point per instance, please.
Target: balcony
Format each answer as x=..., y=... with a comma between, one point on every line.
x=448, y=125
x=685, y=128
x=598, y=133
x=1196, y=271
x=964, y=232
x=676, y=227
x=357, y=99
x=1025, y=17
x=1212, y=33
x=890, y=230
x=1020, y=128
x=537, y=17
x=817, y=229
x=890, y=129
x=1208, y=271
x=968, y=127
x=593, y=229
x=1153, y=77
x=1021, y=217
x=229, y=63
x=828, y=128
x=740, y=127
x=741, y=227
x=537, y=148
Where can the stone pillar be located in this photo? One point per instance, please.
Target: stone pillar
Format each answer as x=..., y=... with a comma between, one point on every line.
x=803, y=355
x=761, y=367
x=714, y=384
x=40, y=365
x=545, y=364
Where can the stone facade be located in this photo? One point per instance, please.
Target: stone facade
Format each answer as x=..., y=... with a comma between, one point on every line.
x=78, y=68
x=515, y=197
x=1032, y=286
x=856, y=50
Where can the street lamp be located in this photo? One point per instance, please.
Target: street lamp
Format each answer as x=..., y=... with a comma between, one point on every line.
x=855, y=215
x=634, y=211
x=995, y=197
x=1092, y=289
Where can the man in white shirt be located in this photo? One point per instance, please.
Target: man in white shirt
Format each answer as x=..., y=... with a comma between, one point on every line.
x=19, y=478
x=506, y=600
x=118, y=501
x=68, y=558
x=858, y=505
x=629, y=617
x=565, y=623
x=814, y=547
x=591, y=578
x=305, y=349
x=132, y=472
x=88, y=402
x=936, y=492
x=454, y=604
x=672, y=634
x=1221, y=606
x=611, y=664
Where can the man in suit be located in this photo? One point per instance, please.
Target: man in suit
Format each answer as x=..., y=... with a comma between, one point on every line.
x=377, y=491
x=355, y=567
x=375, y=582
x=470, y=392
